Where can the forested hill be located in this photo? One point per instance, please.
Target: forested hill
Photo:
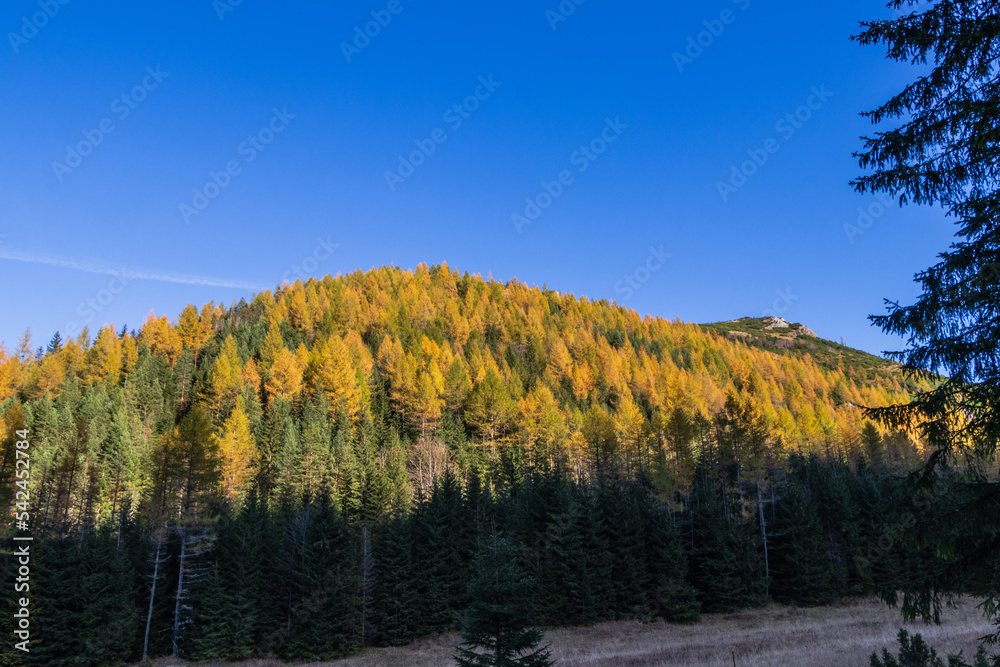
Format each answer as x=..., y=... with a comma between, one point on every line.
x=462, y=370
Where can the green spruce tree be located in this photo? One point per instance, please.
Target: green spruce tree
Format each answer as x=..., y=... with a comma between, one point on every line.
x=499, y=629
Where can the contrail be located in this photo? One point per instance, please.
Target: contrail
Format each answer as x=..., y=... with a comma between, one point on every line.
x=94, y=266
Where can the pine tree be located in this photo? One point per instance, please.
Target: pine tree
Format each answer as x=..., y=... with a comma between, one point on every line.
x=396, y=599
x=717, y=556
x=799, y=561
x=563, y=574
x=943, y=153
x=670, y=596
x=321, y=570
x=232, y=602
x=499, y=629
x=442, y=554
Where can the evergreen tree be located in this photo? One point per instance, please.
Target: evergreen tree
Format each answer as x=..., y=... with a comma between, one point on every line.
x=575, y=563
x=799, y=561
x=563, y=572
x=623, y=527
x=499, y=629
x=830, y=484
x=231, y=602
x=397, y=595
x=61, y=607
x=322, y=611
x=56, y=344
x=912, y=653
x=942, y=153
x=671, y=597
x=724, y=569
x=442, y=551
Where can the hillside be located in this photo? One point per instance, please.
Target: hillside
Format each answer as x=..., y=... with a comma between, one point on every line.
x=796, y=339
x=443, y=359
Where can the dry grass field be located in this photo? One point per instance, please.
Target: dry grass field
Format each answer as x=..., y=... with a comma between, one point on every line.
x=843, y=635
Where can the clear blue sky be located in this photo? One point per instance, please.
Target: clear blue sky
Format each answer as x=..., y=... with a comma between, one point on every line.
x=197, y=87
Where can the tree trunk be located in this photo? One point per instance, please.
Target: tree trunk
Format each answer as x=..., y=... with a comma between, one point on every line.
x=152, y=596
x=175, y=652
x=763, y=533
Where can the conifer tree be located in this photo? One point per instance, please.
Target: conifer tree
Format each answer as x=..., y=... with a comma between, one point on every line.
x=563, y=574
x=397, y=592
x=670, y=596
x=237, y=452
x=231, y=604
x=500, y=625
x=442, y=555
x=623, y=528
x=799, y=561
x=943, y=153
x=322, y=613
x=725, y=567
x=61, y=606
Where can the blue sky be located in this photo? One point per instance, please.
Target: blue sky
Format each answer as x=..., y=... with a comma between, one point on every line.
x=256, y=141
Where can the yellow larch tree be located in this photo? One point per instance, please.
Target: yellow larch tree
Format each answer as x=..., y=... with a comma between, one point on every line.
x=161, y=338
x=189, y=328
x=630, y=431
x=238, y=452
x=10, y=374
x=560, y=363
x=104, y=358
x=543, y=428
x=285, y=378
x=225, y=380
x=51, y=374
x=298, y=311
x=331, y=364
x=207, y=317
x=130, y=353
x=272, y=347
x=251, y=377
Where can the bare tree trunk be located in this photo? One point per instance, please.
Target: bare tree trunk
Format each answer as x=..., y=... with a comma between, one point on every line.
x=152, y=596
x=763, y=533
x=69, y=494
x=180, y=596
